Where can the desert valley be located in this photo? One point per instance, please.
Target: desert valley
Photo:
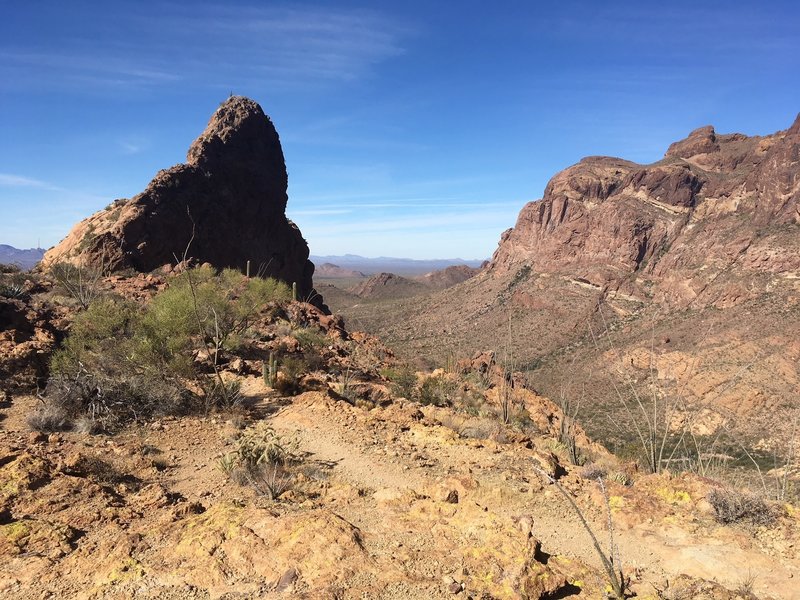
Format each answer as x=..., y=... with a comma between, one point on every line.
x=606, y=408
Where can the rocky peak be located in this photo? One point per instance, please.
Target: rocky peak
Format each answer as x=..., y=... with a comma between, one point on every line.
x=700, y=141
x=226, y=205
x=240, y=142
x=795, y=128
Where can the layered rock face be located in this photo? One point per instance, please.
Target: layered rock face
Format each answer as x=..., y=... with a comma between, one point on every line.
x=716, y=205
x=229, y=200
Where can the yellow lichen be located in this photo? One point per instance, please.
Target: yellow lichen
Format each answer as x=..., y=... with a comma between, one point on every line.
x=673, y=496
x=129, y=569
x=616, y=503
x=15, y=532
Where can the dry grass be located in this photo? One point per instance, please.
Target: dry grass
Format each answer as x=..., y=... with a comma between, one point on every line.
x=737, y=506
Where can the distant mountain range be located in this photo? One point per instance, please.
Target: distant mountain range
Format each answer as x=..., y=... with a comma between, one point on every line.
x=386, y=264
x=25, y=259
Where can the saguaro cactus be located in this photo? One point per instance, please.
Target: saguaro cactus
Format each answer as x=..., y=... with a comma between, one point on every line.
x=269, y=370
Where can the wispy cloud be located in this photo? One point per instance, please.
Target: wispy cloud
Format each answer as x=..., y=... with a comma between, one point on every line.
x=133, y=145
x=319, y=212
x=231, y=45
x=11, y=180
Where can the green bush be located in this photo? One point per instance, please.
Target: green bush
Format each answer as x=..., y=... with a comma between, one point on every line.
x=310, y=338
x=99, y=339
x=404, y=381
x=290, y=371
x=438, y=391
x=121, y=361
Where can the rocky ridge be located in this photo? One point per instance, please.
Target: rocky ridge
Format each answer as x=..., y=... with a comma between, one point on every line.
x=332, y=271
x=448, y=277
x=716, y=205
x=387, y=285
x=224, y=206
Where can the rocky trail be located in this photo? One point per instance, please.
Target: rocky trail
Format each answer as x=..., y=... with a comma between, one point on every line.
x=419, y=512
x=509, y=488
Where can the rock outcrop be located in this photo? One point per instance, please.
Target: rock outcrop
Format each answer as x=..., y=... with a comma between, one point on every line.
x=716, y=209
x=226, y=205
x=448, y=277
x=387, y=285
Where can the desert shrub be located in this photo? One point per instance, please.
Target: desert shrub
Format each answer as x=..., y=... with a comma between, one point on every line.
x=309, y=338
x=98, y=337
x=345, y=387
x=473, y=403
x=7, y=268
x=520, y=419
x=98, y=378
x=455, y=422
x=261, y=459
x=123, y=362
x=621, y=477
x=49, y=417
x=98, y=401
x=735, y=506
x=12, y=284
x=264, y=290
x=81, y=283
x=99, y=470
x=290, y=371
x=482, y=428
x=404, y=381
x=225, y=395
x=593, y=471
x=438, y=391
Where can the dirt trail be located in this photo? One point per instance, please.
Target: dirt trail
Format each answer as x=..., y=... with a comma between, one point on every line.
x=660, y=550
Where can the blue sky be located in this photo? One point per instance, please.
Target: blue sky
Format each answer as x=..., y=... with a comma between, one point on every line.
x=415, y=129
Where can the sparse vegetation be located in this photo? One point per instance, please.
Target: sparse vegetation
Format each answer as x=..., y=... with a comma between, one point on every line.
x=123, y=362
x=80, y=282
x=736, y=506
x=263, y=460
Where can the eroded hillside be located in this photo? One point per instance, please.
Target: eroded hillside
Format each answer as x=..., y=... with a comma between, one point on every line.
x=684, y=273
